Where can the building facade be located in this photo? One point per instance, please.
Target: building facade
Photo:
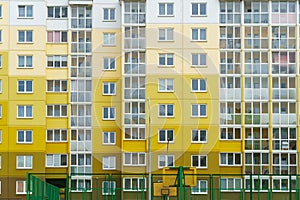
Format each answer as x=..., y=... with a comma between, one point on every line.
x=84, y=83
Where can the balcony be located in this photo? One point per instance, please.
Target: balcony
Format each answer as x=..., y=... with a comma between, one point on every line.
x=81, y=2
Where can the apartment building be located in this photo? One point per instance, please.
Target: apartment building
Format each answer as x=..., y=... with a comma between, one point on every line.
x=84, y=83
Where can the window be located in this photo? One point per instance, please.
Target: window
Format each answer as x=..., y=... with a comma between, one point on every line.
x=0, y=136
x=165, y=161
x=25, y=61
x=57, y=61
x=199, y=161
x=199, y=110
x=0, y=86
x=109, y=88
x=57, y=36
x=109, y=162
x=109, y=39
x=109, y=14
x=0, y=36
x=109, y=113
x=231, y=184
x=198, y=85
x=25, y=11
x=57, y=12
x=199, y=59
x=109, y=138
x=57, y=110
x=201, y=187
x=56, y=160
x=166, y=34
x=166, y=59
x=166, y=136
x=20, y=187
x=57, y=135
x=134, y=159
x=230, y=159
x=25, y=86
x=25, y=36
x=24, y=162
x=78, y=184
x=24, y=111
x=57, y=85
x=199, y=9
x=199, y=136
x=134, y=133
x=166, y=9
x=1, y=111
x=166, y=110
x=24, y=136
x=108, y=187
x=0, y=11
x=284, y=183
x=0, y=168
x=199, y=34
x=166, y=85
x=0, y=61
x=134, y=184
x=230, y=133
x=109, y=64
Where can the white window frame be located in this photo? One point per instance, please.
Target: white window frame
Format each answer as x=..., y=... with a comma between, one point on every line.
x=199, y=59
x=109, y=63
x=110, y=135
x=111, y=190
x=109, y=162
x=109, y=86
x=199, y=35
x=58, y=161
x=26, y=108
x=25, y=158
x=0, y=168
x=0, y=11
x=62, y=35
x=167, y=159
x=198, y=189
x=1, y=61
x=166, y=58
x=199, y=83
x=24, y=133
x=234, y=162
x=281, y=179
x=57, y=86
x=0, y=110
x=0, y=136
x=60, y=14
x=26, y=90
x=166, y=133
x=130, y=189
x=199, y=14
x=166, y=34
x=0, y=35
x=230, y=135
x=166, y=12
x=164, y=111
x=0, y=85
x=233, y=182
x=111, y=113
x=57, y=108
x=166, y=85
x=139, y=161
x=109, y=39
x=26, y=11
x=26, y=32
x=62, y=60
x=198, y=132
x=59, y=132
x=199, y=161
x=25, y=58
x=198, y=109
x=110, y=16
x=23, y=185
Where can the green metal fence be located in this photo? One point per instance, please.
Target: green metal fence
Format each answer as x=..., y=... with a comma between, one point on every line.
x=134, y=186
